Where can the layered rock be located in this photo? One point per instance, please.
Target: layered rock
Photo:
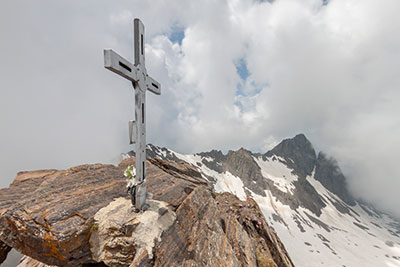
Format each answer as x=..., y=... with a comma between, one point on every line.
x=52, y=222
x=48, y=215
x=219, y=230
x=23, y=184
x=83, y=217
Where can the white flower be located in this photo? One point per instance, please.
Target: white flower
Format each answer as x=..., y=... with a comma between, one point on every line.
x=130, y=173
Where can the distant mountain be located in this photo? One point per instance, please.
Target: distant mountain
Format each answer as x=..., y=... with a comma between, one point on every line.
x=304, y=197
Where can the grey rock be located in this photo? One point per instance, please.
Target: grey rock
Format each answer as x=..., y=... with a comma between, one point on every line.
x=119, y=234
x=216, y=162
x=329, y=174
x=242, y=164
x=298, y=153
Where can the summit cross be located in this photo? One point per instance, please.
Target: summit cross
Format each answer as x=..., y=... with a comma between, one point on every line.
x=141, y=82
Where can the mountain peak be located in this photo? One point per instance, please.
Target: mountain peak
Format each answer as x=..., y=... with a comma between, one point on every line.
x=301, y=138
x=298, y=153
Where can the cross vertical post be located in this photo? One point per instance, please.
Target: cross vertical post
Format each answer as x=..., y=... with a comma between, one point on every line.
x=140, y=114
x=141, y=82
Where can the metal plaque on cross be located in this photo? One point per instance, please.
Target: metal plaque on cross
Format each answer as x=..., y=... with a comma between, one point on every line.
x=141, y=82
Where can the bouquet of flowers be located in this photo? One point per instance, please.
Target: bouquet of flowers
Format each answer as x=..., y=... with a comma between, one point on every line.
x=130, y=174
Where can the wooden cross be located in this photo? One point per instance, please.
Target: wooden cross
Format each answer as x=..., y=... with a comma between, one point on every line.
x=141, y=82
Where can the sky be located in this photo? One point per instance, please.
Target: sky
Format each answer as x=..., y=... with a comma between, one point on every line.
x=234, y=73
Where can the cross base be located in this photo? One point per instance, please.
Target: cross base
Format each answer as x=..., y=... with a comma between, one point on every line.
x=140, y=197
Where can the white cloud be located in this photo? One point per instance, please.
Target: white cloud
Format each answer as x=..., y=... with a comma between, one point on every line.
x=329, y=71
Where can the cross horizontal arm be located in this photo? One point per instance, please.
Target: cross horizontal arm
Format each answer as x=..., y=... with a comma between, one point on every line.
x=153, y=86
x=119, y=65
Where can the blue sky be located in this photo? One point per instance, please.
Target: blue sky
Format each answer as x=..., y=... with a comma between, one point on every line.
x=241, y=68
x=177, y=35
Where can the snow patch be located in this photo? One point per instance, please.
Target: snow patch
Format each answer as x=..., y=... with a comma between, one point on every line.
x=278, y=173
x=227, y=182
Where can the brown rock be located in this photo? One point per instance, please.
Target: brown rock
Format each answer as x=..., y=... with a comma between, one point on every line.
x=264, y=241
x=175, y=187
x=52, y=223
x=219, y=230
x=23, y=184
x=48, y=215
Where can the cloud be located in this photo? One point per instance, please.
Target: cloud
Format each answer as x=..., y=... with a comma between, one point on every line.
x=233, y=73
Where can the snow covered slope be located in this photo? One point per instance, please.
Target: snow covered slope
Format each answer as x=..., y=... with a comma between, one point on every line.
x=305, y=199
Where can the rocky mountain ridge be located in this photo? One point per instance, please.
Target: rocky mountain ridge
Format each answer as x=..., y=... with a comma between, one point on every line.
x=304, y=197
x=297, y=154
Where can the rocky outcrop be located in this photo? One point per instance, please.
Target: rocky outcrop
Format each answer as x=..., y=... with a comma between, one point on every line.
x=82, y=217
x=51, y=214
x=52, y=221
x=23, y=184
x=119, y=236
x=219, y=230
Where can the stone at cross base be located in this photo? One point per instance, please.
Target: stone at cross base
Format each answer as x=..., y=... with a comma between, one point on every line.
x=141, y=81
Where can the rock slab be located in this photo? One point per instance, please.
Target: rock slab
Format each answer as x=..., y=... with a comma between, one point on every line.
x=48, y=215
x=119, y=234
x=219, y=230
